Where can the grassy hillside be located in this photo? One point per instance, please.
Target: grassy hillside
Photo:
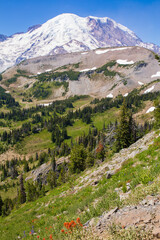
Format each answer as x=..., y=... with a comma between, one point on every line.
x=68, y=147
x=68, y=202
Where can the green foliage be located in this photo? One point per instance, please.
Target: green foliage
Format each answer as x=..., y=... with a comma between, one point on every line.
x=131, y=233
x=7, y=207
x=115, y=84
x=157, y=113
x=157, y=57
x=100, y=152
x=1, y=205
x=124, y=188
x=59, y=84
x=123, y=136
x=90, y=159
x=26, y=167
x=0, y=77
x=59, y=135
x=63, y=76
x=40, y=91
x=105, y=70
x=124, y=81
x=31, y=192
x=60, y=204
x=21, y=72
x=10, y=81
x=21, y=193
x=76, y=65
x=78, y=158
x=51, y=179
x=7, y=99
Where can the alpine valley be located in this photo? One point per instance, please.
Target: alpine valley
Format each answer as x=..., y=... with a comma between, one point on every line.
x=79, y=132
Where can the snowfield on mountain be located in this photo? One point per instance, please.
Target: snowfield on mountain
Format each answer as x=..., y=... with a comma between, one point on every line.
x=67, y=33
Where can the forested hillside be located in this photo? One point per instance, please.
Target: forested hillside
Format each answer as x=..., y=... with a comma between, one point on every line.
x=66, y=160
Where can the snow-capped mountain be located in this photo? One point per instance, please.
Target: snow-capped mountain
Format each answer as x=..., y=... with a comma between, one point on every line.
x=67, y=33
x=2, y=37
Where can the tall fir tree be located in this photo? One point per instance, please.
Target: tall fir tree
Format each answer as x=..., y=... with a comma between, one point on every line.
x=123, y=136
x=22, y=194
x=51, y=179
x=53, y=163
x=157, y=113
x=77, y=159
x=1, y=204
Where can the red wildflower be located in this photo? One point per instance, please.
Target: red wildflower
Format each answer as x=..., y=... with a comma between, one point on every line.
x=37, y=236
x=50, y=236
x=78, y=220
x=67, y=225
x=73, y=224
x=62, y=230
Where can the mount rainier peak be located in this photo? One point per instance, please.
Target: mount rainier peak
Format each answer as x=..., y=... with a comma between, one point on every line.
x=64, y=34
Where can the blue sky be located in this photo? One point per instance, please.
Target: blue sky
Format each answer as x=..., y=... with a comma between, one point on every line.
x=141, y=16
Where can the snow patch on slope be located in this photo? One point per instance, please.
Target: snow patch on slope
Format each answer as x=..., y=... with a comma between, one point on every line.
x=110, y=95
x=140, y=83
x=124, y=62
x=151, y=109
x=84, y=53
x=112, y=50
x=149, y=89
x=45, y=104
x=88, y=69
x=156, y=75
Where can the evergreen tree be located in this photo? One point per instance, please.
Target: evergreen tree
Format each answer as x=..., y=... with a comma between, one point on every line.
x=26, y=167
x=89, y=160
x=157, y=114
x=77, y=159
x=22, y=194
x=7, y=207
x=1, y=204
x=100, y=152
x=51, y=179
x=53, y=163
x=13, y=171
x=123, y=137
x=62, y=176
x=31, y=192
x=36, y=156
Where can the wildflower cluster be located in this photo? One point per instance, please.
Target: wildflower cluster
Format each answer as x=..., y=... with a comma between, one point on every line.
x=72, y=227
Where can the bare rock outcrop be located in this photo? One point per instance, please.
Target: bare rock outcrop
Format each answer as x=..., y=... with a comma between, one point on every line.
x=145, y=215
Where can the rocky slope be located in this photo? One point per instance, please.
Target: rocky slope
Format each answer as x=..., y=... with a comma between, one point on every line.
x=127, y=68
x=145, y=215
x=67, y=33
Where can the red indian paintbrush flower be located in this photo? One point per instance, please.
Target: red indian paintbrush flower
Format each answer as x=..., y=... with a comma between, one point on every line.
x=78, y=220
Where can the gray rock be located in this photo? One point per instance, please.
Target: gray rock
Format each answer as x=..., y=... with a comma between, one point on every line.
x=109, y=174
x=156, y=232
